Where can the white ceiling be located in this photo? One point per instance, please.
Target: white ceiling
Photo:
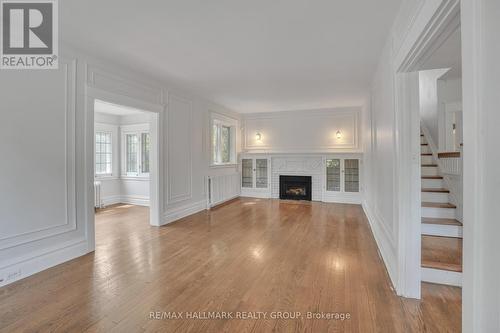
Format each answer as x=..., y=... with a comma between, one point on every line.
x=248, y=55
x=114, y=109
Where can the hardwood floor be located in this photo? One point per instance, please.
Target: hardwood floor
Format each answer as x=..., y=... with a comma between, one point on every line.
x=248, y=255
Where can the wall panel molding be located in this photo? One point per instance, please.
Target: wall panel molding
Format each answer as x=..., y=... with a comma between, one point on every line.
x=69, y=224
x=180, y=149
x=302, y=131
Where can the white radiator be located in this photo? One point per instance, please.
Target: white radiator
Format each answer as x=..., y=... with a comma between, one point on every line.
x=97, y=195
x=223, y=188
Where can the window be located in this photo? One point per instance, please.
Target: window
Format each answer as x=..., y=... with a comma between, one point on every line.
x=103, y=153
x=136, y=152
x=333, y=175
x=132, y=149
x=223, y=140
x=145, y=148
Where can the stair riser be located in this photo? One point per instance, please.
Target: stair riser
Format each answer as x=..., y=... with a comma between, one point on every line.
x=422, y=140
x=442, y=230
x=425, y=149
x=441, y=277
x=426, y=160
x=432, y=183
x=445, y=213
x=435, y=197
x=429, y=171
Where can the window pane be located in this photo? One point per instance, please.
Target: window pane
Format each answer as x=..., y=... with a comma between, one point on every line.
x=132, y=148
x=145, y=152
x=215, y=143
x=351, y=175
x=333, y=175
x=225, y=144
x=261, y=173
x=103, y=153
x=247, y=173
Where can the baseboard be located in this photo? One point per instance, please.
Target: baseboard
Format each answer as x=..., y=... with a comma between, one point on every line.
x=34, y=263
x=384, y=245
x=344, y=198
x=125, y=199
x=224, y=201
x=442, y=277
x=135, y=200
x=177, y=213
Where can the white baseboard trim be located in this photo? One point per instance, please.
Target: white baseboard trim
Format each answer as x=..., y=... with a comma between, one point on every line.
x=384, y=244
x=34, y=263
x=177, y=213
x=125, y=199
x=441, y=276
x=345, y=198
x=135, y=200
x=252, y=193
x=225, y=200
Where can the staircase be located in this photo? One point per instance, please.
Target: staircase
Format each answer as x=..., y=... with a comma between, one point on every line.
x=441, y=232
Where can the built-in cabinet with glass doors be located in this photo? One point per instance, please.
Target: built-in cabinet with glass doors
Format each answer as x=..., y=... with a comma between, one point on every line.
x=342, y=179
x=255, y=176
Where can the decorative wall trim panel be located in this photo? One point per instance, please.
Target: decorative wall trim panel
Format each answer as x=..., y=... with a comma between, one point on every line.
x=179, y=142
x=69, y=224
x=183, y=211
x=302, y=131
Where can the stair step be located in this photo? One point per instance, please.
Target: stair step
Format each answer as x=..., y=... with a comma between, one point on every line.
x=433, y=220
x=438, y=205
x=444, y=253
x=424, y=144
x=429, y=165
x=432, y=177
x=436, y=190
x=426, y=154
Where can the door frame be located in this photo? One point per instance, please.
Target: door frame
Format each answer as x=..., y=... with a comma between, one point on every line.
x=156, y=155
x=435, y=22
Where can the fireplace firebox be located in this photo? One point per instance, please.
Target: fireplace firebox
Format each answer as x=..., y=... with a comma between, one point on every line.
x=295, y=187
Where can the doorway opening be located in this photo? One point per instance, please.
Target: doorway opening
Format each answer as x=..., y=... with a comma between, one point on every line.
x=440, y=99
x=125, y=170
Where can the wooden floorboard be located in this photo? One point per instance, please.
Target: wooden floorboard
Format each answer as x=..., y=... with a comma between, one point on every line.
x=249, y=255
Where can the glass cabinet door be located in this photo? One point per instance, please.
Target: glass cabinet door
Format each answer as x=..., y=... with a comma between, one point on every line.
x=333, y=175
x=247, y=172
x=351, y=175
x=261, y=173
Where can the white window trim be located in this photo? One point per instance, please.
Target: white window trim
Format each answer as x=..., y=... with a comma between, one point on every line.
x=217, y=118
x=136, y=129
x=113, y=130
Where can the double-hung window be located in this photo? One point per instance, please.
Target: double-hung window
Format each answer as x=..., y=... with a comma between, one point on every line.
x=136, y=152
x=103, y=154
x=223, y=140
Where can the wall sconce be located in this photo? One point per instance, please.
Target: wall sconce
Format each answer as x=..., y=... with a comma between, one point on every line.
x=339, y=135
x=258, y=136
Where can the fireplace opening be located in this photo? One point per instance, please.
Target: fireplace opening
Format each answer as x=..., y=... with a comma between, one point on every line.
x=295, y=187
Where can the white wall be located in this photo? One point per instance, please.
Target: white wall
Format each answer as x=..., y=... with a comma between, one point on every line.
x=379, y=150
x=46, y=205
x=430, y=111
x=449, y=93
x=304, y=131
x=481, y=87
